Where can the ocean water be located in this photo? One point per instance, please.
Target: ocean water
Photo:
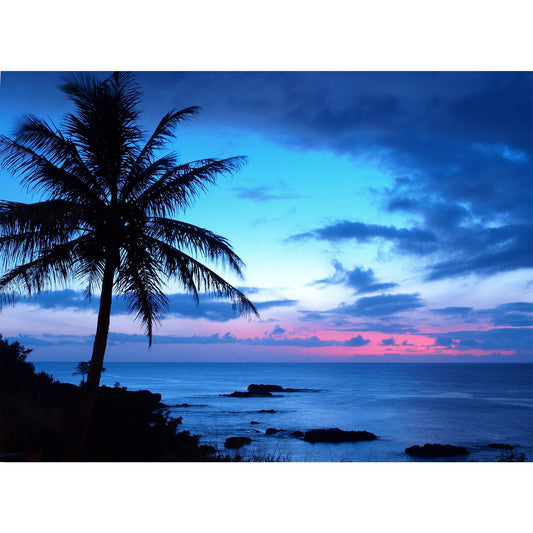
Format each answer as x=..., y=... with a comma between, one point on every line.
x=468, y=405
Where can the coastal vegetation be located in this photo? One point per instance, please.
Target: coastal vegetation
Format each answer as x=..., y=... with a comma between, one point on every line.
x=36, y=414
x=107, y=217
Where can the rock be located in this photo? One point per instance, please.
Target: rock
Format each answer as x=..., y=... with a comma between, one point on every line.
x=336, y=435
x=261, y=391
x=182, y=405
x=233, y=443
x=267, y=411
x=272, y=431
x=500, y=446
x=431, y=451
x=257, y=393
x=254, y=422
x=297, y=434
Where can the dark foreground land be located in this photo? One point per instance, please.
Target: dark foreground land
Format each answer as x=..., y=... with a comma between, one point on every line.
x=36, y=414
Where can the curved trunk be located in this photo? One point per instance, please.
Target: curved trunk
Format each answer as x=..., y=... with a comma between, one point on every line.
x=80, y=427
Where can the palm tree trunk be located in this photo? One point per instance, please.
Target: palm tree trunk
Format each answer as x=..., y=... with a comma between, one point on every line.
x=82, y=421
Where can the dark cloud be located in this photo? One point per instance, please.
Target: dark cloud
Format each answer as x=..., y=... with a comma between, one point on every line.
x=275, y=303
x=468, y=250
x=381, y=305
x=180, y=305
x=443, y=340
x=344, y=110
x=65, y=299
x=413, y=240
x=277, y=331
x=227, y=338
x=486, y=252
x=355, y=341
x=517, y=314
x=363, y=281
x=519, y=339
x=337, y=320
x=388, y=342
x=454, y=311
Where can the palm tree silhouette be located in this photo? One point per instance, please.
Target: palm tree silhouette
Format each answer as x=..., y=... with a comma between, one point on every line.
x=107, y=216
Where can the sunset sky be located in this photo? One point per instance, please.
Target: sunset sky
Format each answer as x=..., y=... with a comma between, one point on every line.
x=382, y=216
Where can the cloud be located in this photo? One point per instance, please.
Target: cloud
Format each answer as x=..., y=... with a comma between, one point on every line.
x=363, y=281
x=277, y=331
x=417, y=241
x=263, y=194
x=443, y=340
x=227, y=338
x=485, y=252
x=467, y=250
x=338, y=320
x=356, y=341
x=180, y=305
x=517, y=314
x=519, y=339
x=381, y=305
x=388, y=342
x=275, y=303
x=250, y=290
x=454, y=311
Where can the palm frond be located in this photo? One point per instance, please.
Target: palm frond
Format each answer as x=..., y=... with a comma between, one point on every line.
x=139, y=280
x=28, y=230
x=151, y=173
x=195, y=277
x=196, y=240
x=49, y=142
x=105, y=125
x=49, y=270
x=161, y=135
x=41, y=175
x=177, y=188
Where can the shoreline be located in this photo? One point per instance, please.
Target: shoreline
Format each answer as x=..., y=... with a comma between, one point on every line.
x=136, y=406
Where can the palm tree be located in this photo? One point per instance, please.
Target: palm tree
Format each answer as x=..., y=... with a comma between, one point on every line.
x=108, y=215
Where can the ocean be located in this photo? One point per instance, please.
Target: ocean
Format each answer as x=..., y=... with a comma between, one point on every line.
x=470, y=405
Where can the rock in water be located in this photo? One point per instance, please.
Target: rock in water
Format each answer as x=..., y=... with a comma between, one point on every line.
x=261, y=391
x=500, y=446
x=273, y=431
x=432, y=451
x=233, y=443
x=336, y=435
x=297, y=434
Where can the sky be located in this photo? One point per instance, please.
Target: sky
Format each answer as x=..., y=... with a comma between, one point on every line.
x=382, y=216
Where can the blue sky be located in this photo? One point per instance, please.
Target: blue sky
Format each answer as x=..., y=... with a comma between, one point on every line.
x=381, y=215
